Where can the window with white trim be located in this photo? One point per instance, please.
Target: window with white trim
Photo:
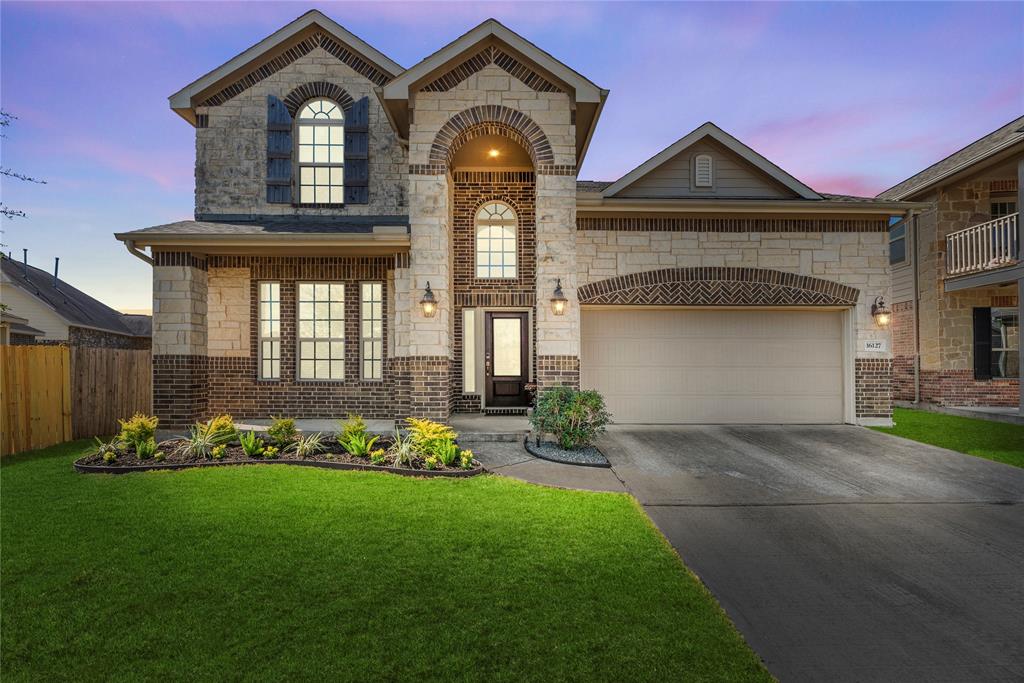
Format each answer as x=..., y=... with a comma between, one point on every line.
x=372, y=329
x=270, y=330
x=898, y=242
x=321, y=321
x=321, y=124
x=496, y=226
x=703, y=171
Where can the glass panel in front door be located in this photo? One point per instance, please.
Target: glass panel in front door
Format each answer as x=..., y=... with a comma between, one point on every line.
x=507, y=337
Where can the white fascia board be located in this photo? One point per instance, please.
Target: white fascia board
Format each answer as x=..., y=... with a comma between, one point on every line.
x=711, y=130
x=183, y=98
x=585, y=90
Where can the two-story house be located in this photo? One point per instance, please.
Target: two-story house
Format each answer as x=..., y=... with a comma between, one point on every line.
x=958, y=274
x=393, y=242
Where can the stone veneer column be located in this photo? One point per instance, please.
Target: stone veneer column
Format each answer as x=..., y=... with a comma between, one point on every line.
x=424, y=345
x=558, y=337
x=179, y=338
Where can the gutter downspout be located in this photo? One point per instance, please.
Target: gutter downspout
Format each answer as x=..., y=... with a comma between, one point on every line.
x=134, y=251
x=917, y=312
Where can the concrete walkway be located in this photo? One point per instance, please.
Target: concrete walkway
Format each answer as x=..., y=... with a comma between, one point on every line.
x=510, y=459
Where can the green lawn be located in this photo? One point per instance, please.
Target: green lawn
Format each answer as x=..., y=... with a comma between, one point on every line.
x=277, y=573
x=997, y=441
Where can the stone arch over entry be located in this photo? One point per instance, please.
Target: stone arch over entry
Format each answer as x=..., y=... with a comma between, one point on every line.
x=491, y=119
x=718, y=286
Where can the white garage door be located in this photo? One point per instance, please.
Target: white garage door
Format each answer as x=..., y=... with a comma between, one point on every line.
x=739, y=366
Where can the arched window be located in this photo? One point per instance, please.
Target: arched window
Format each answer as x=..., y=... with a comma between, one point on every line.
x=321, y=152
x=496, y=241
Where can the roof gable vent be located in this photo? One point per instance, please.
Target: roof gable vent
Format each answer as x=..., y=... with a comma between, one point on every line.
x=703, y=171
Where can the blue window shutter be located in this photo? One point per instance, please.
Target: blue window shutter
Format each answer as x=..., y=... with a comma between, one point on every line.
x=357, y=152
x=279, y=152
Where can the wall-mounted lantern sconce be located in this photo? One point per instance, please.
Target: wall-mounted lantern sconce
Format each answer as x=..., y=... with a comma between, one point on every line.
x=428, y=303
x=881, y=314
x=558, y=300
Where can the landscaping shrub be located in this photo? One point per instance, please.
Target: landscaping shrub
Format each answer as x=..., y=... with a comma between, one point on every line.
x=137, y=429
x=218, y=452
x=202, y=440
x=282, y=431
x=575, y=418
x=271, y=452
x=358, y=444
x=310, y=444
x=112, y=448
x=145, y=450
x=378, y=457
x=402, y=450
x=251, y=444
x=428, y=437
x=466, y=459
x=446, y=452
x=222, y=428
x=354, y=425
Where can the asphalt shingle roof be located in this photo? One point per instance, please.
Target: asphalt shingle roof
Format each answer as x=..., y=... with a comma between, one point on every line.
x=976, y=151
x=74, y=305
x=274, y=226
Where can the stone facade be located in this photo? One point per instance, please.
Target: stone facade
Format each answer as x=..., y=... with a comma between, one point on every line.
x=946, y=318
x=231, y=150
x=206, y=308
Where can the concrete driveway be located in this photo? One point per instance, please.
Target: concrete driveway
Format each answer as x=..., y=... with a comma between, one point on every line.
x=840, y=553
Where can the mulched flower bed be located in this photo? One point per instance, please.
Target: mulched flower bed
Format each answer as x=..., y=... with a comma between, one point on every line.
x=335, y=457
x=587, y=456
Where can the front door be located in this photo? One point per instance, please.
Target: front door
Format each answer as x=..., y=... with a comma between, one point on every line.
x=506, y=362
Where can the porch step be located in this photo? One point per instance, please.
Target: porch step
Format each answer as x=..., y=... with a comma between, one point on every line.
x=478, y=427
x=504, y=411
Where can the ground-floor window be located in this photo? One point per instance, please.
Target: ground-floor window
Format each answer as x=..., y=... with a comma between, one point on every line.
x=321, y=326
x=996, y=343
x=270, y=330
x=372, y=329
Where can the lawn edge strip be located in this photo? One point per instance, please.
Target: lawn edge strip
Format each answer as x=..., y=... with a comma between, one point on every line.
x=323, y=464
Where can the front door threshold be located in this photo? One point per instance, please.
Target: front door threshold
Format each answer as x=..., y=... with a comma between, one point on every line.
x=506, y=410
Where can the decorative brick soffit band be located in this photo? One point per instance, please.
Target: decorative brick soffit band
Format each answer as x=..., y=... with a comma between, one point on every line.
x=491, y=119
x=718, y=286
x=491, y=55
x=678, y=224
x=308, y=91
x=300, y=49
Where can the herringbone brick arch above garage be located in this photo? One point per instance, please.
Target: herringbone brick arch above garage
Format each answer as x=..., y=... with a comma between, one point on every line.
x=718, y=286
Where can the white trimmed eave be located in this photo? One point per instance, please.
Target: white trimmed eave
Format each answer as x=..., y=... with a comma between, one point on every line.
x=181, y=101
x=729, y=142
x=377, y=243
x=593, y=203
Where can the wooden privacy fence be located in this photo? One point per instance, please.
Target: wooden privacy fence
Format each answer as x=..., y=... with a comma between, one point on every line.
x=36, y=396
x=52, y=394
x=108, y=385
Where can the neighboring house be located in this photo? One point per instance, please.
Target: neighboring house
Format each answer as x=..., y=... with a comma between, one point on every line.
x=958, y=274
x=396, y=242
x=57, y=313
x=15, y=330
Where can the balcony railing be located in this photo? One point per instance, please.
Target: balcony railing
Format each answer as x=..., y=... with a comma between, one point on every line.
x=987, y=246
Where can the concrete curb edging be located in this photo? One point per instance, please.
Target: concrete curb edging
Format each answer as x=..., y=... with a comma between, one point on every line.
x=323, y=464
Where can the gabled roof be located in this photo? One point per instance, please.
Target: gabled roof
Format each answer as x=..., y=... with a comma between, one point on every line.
x=712, y=131
x=588, y=96
x=978, y=151
x=256, y=57
x=74, y=306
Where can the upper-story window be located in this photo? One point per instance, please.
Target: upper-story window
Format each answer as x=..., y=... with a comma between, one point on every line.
x=897, y=241
x=321, y=124
x=496, y=226
x=703, y=171
x=1001, y=208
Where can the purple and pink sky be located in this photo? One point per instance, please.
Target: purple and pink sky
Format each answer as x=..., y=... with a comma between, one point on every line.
x=848, y=97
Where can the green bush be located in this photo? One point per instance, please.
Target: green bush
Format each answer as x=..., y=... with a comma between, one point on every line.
x=309, y=445
x=282, y=431
x=137, y=429
x=575, y=418
x=359, y=444
x=251, y=444
x=430, y=438
x=353, y=426
x=145, y=449
x=219, y=452
x=221, y=428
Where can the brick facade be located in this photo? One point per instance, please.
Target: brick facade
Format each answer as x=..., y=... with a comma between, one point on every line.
x=873, y=388
x=471, y=191
x=558, y=371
